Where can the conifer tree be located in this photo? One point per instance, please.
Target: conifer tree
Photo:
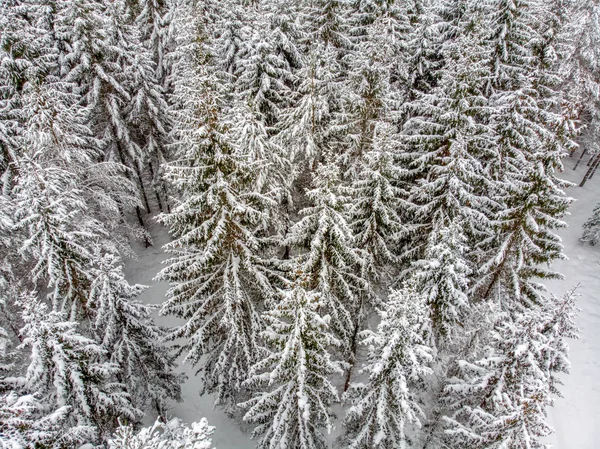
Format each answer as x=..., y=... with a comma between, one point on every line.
x=67, y=371
x=23, y=423
x=332, y=264
x=264, y=77
x=377, y=204
x=450, y=203
x=382, y=409
x=442, y=277
x=306, y=126
x=173, y=434
x=326, y=22
x=217, y=276
x=59, y=236
x=591, y=228
x=500, y=400
x=296, y=372
x=532, y=132
x=125, y=329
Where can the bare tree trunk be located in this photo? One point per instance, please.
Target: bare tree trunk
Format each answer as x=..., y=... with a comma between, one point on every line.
x=158, y=200
x=143, y=189
x=137, y=208
x=591, y=170
x=353, y=344
x=580, y=158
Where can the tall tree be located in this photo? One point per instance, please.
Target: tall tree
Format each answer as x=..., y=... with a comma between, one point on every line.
x=218, y=279
x=331, y=262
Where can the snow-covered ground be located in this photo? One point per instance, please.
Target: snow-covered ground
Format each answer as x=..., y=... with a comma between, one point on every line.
x=576, y=417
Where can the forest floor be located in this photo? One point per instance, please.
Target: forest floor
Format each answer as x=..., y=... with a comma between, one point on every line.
x=574, y=417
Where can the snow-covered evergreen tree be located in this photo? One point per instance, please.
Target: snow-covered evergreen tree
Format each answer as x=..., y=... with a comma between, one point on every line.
x=331, y=263
x=442, y=277
x=66, y=370
x=173, y=435
x=591, y=228
x=306, y=126
x=125, y=328
x=264, y=77
x=532, y=132
x=382, y=409
x=217, y=276
x=500, y=400
x=24, y=424
x=377, y=207
x=296, y=372
x=59, y=236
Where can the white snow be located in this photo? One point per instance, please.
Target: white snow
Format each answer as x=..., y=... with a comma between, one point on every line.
x=576, y=417
x=228, y=434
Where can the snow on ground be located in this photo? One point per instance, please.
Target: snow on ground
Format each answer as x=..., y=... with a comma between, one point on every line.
x=575, y=417
x=228, y=434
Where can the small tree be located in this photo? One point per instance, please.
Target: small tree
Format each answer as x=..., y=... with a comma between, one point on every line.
x=501, y=399
x=297, y=368
x=397, y=360
x=173, y=435
x=125, y=328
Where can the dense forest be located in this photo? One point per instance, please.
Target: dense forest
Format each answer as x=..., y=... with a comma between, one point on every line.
x=363, y=198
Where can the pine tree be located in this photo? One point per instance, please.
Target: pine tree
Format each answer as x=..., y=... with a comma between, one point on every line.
x=296, y=370
x=424, y=62
x=173, y=434
x=500, y=400
x=326, y=22
x=252, y=141
x=67, y=371
x=398, y=357
x=332, y=264
x=217, y=276
x=532, y=132
x=100, y=61
x=591, y=228
x=450, y=205
x=125, y=328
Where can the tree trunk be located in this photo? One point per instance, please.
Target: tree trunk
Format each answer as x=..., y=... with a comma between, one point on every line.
x=580, y=158
x=137, y=208
x=158, y=200
x=591, y=170
x=143, y=189
x=353, y=345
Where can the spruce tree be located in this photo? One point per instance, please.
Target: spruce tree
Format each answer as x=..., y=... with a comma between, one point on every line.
x=218, y=279
x=591, y=228
x=383, y=408
x=377, y=206
x=296, y=372
x=66, y=369
x=332, y=264
x=500, y=400
x=125, y=328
